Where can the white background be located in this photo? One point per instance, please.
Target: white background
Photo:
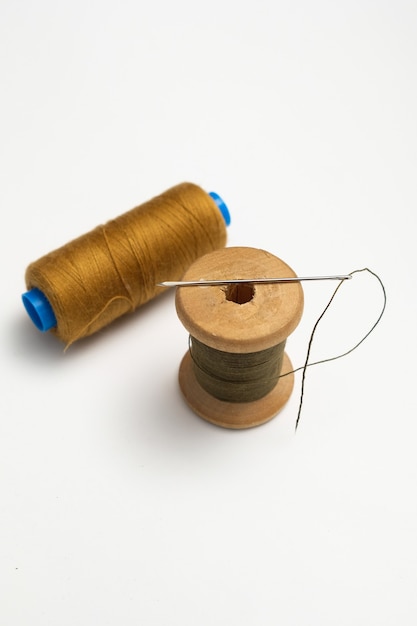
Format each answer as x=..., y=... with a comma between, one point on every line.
x=118, y=505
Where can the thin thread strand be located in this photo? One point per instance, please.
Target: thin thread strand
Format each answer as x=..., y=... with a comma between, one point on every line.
x=339, y=356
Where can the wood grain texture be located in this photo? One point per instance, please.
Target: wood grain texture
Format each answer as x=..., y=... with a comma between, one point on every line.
x=266, y=320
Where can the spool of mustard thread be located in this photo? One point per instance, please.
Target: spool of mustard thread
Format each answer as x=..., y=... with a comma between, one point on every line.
x=233, y=373
x=83, y=286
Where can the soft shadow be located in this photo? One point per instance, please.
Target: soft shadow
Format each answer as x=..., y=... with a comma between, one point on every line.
x=24, y=339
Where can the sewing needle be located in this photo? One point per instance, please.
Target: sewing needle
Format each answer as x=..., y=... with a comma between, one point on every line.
x=243, y=281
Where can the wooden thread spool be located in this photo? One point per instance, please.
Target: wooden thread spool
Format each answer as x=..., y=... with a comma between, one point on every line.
x=239, y=323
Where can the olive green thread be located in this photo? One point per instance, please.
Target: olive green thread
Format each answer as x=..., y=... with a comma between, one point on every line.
x=235, y=377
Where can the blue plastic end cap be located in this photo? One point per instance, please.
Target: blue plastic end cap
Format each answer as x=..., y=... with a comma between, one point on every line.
x=39, y=309
x=222, y=206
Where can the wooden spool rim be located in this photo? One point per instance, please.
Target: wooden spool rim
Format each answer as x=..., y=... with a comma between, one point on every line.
x=264, y=320
x=235, y=415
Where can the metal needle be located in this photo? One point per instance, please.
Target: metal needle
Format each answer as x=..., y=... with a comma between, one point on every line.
x=240, y=281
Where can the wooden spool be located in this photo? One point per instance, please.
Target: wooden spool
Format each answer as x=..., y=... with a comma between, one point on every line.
x=240, y=319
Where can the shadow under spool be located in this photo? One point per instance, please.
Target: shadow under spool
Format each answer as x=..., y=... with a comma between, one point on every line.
x=231, y=374
x=83, y=286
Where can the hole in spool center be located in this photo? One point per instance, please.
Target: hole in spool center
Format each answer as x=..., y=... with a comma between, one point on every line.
x=241, y=293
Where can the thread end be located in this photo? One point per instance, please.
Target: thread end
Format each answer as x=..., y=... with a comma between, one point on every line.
x=39, y=309
x=222, y=206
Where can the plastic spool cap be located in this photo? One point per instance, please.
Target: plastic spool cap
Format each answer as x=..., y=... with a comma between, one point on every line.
x=222, y=206
x=39, y=309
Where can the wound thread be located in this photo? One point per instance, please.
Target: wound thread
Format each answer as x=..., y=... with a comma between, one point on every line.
x=114, y=269
x=234, y=377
